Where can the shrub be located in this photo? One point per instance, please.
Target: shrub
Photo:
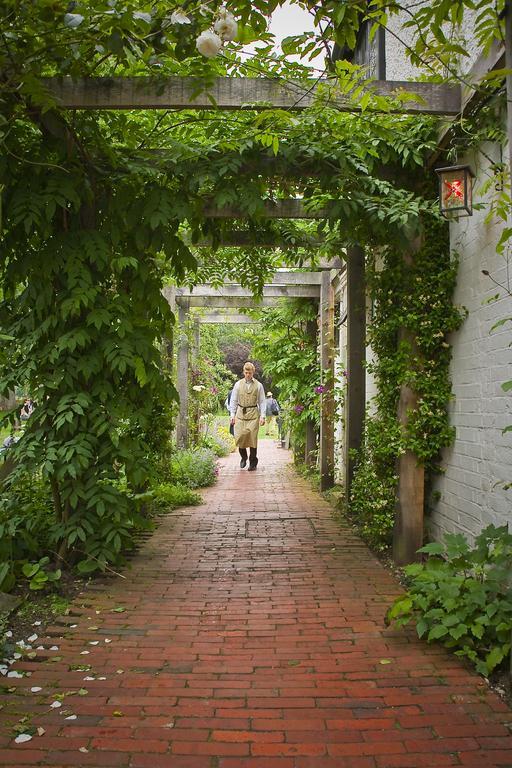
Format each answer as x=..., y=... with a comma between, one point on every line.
x=26, y=520
x=463, y=597
x=194, y=468
x=372, y=497
x=220, y=441
x=166, y=497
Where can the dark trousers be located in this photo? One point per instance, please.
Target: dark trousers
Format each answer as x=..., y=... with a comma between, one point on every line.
x=253, y=459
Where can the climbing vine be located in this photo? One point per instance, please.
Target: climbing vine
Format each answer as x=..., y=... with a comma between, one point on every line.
x=288, y=352
x=414, y=297
x=101, y=210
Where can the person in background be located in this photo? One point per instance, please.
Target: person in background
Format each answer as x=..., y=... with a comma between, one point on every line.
x=247, y=408
x=26, y=409
x=272, y=410
x=11, y=439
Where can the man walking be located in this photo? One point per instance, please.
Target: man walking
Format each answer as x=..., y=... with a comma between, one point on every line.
x=247, y=408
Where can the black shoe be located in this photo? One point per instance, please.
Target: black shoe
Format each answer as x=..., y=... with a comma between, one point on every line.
x=243, y=463
x=252, y=467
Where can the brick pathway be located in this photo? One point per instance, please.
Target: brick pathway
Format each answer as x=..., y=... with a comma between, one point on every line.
x=248, y=634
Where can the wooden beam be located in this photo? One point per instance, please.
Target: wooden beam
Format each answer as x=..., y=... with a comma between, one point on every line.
x=218, y=318
x=471, y=95
x=239, y=93
x=355, y=402
x=168, y=293
x=292, y=208
x=311, y=430
x=293, y=278
x=508, y=80
x=227, y=302
x=410, y=496
x=327, y=370
x=244, y=239
x=182, y=379
x=494, y=59
x=236, y=291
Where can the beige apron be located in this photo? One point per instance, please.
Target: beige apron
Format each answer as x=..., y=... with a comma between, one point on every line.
x=247, y=417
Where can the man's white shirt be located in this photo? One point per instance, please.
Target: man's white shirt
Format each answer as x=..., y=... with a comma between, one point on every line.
x=262, y=400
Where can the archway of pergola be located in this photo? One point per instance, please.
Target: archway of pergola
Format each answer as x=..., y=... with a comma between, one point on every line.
x=315, y=283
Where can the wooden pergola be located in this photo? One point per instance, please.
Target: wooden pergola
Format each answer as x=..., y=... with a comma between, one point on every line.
x=224, y=93
x=287, y=284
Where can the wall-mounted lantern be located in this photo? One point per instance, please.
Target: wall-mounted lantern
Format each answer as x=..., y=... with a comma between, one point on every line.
x=455, y=191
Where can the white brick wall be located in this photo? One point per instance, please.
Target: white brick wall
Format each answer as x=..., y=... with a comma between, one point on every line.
x=480, y=461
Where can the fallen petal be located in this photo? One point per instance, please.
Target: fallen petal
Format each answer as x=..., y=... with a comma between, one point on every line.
x=22, y=738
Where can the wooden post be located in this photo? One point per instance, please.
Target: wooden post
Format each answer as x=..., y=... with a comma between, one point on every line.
x=508, y=65
x=310, y=446
x=327, y=366
x=194, y=422
x=410, y=499
x=182, y=379
x=7, y=403
x=169, y=294
x=355, y=401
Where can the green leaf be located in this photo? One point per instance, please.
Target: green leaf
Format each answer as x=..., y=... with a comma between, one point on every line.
x=437, y=632
x=434, y=548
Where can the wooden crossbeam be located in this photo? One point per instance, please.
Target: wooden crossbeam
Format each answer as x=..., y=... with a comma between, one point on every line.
x=245, y=239
x=291, y=208
x=287, y=277
x=228, y=302
x=221, y=318
x=238, y=93
x=236, y=292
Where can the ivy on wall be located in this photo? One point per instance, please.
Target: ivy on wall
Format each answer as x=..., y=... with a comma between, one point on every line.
x=418, y=298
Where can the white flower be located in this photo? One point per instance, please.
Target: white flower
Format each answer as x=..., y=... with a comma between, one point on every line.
x=208, y=43
x=143, y=16
x=178, y=17
x=226, y=26
x=73, y=20
x=198, y=388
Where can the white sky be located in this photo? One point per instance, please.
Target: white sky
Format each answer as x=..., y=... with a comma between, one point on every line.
x=290, y=20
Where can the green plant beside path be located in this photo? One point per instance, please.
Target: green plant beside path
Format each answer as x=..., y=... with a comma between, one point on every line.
x=462, y=597
x=194, y=468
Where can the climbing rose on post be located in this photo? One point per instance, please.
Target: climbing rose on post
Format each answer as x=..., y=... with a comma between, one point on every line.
x=178, y=17
x=226, y=26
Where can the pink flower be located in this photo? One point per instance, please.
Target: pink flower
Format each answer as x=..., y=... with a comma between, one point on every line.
x=320, y=389
x=298, y=408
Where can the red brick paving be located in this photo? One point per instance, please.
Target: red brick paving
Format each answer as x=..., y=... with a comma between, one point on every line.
x=252, y=636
